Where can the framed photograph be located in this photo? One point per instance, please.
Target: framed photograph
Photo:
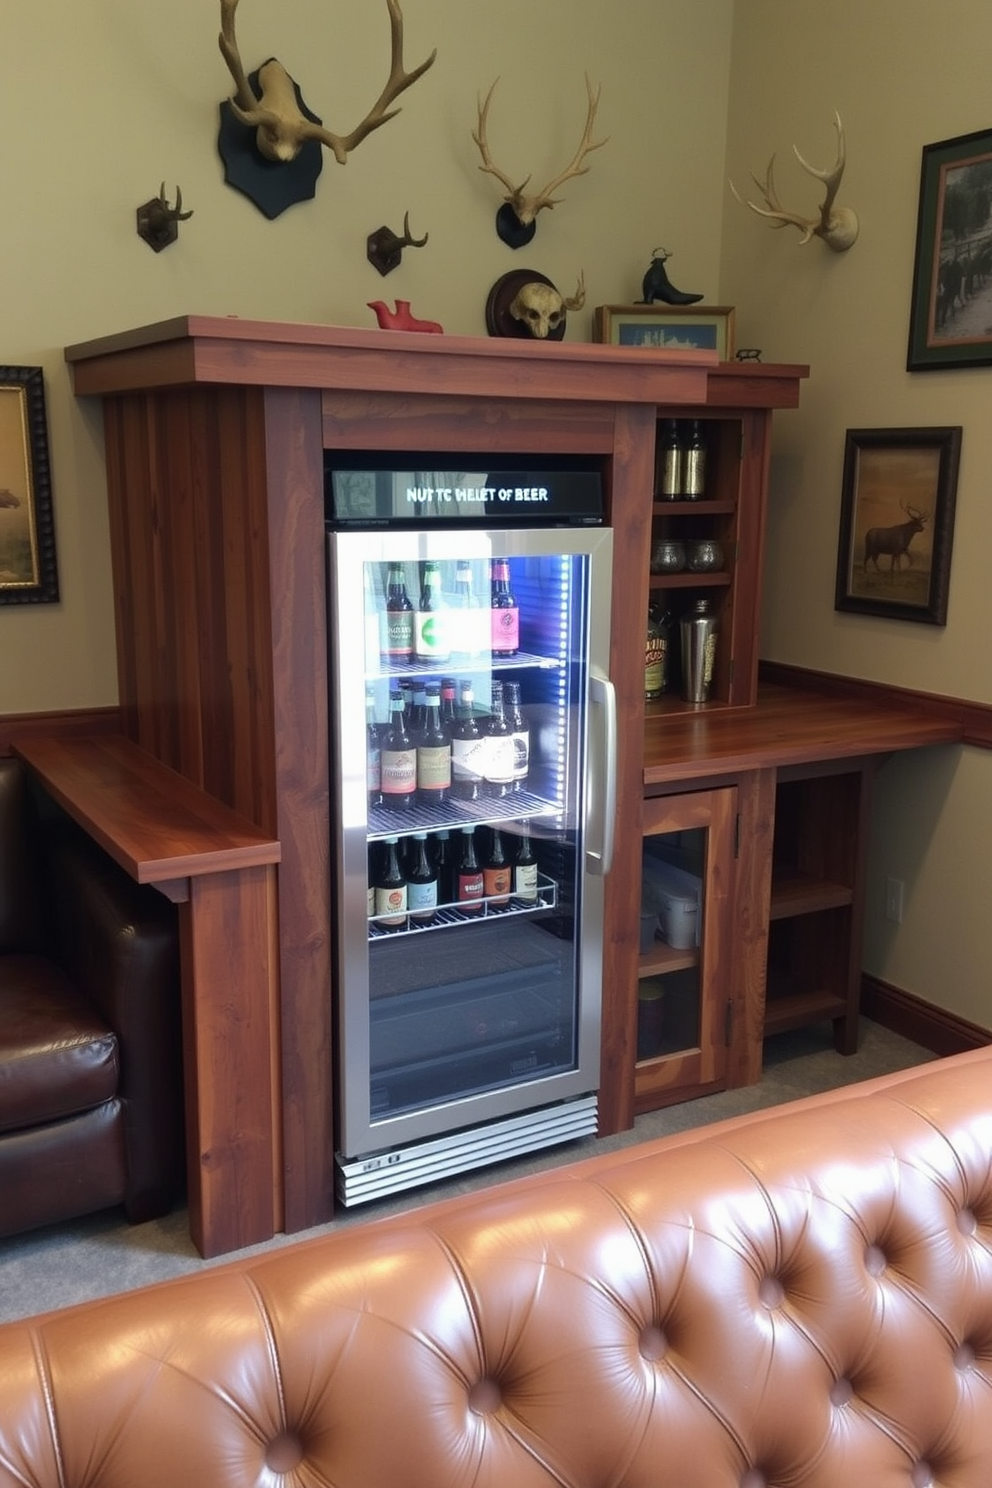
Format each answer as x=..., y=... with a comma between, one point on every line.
x=951, y=318
x=897, y=522
x=28, y=573
x=667, y=327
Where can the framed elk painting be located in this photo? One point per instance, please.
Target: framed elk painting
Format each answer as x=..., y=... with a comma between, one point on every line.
x=897, y=522
x=28, y=574
x=951, y=316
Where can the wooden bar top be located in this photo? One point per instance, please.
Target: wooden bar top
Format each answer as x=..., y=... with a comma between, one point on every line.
x=788, y=726
x=152, y=821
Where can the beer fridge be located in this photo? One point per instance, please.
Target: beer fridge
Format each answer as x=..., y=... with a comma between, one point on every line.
x=472, y=746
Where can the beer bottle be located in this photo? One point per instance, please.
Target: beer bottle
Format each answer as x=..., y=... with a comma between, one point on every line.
x=498, y=752
x=466, y=749
x=398, y=758
x=433, y=754
x=694, y=483
x=669, y=463
x=373, y=867
x=399, y=618
x=497, y=874
x=469, y=882
x=373, y=625
x=444, y=866
x=390, y=890
x=525, y=868
x=430, y=628
x=373, y=753
x=421, y=883
x=449, y=713
x=656, y=655
x=520, y=731
x=470, y=624
x=504, y=614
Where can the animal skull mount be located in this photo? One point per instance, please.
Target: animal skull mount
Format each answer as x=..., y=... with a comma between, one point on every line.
x=836, y=226
x=526, y=304
x=270, y=142
x=515, y=220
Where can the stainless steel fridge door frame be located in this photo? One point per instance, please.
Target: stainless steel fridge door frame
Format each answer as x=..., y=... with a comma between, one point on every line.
x=348, y=553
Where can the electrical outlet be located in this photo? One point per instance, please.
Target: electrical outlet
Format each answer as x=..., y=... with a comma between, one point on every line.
x=894, y=891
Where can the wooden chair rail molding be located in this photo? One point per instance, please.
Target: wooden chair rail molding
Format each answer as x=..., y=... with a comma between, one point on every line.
x=219, y=869
x=973, y=719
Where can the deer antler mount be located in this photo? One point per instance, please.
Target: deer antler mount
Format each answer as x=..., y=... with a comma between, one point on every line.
x=270, y=142
x=837, y=226
x=515, y=220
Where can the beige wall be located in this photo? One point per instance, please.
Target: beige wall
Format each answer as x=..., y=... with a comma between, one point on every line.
x=100, y=112
x=901, y=73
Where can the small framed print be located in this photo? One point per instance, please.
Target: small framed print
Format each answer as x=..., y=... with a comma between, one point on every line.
x=28, y=573
x=667, y=327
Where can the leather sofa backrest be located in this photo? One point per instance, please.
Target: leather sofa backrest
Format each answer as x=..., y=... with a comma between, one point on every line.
x=21, y=899
x=802, y=1297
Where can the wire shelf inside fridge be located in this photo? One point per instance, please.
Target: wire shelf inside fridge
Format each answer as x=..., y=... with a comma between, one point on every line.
x=497, y=907
x=456, y=666
x=455, y=814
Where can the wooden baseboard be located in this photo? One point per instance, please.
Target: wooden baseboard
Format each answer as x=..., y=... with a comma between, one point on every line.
x=974, y=719
x=932, y=1027
x=70, y=721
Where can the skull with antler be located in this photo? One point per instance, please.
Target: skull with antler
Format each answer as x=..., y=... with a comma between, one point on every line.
x=515, y=222
x=281, y=127
x=540, y=309
x=837, y=226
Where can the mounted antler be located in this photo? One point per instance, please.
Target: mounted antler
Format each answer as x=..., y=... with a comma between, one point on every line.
x=837, y=226
x=384, y=248
x=281, y=128
x=525, y=208
x=157, y=222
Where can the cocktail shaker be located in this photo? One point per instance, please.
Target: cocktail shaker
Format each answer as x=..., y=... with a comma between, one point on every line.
x=699, y=636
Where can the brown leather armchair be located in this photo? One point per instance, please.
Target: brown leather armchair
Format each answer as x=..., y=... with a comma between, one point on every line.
x=90, y=1042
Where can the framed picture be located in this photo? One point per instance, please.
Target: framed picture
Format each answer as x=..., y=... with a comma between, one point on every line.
x=28, y=573
x=951, y=318
x=667, y=327
x=897, y=522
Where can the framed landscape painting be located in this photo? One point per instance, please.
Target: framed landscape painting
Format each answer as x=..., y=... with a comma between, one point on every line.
x=897, y=522
x=28, y=573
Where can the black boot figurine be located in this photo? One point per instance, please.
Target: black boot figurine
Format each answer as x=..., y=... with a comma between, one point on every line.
x=656, y=284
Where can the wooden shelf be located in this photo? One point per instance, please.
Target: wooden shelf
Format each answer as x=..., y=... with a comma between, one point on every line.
x=797, y=893
x=663, y=959
x=787, y=1006
x=711, y=579
x=701, y=508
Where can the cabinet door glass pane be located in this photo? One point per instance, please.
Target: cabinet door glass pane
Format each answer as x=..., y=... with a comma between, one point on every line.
x=669, y=998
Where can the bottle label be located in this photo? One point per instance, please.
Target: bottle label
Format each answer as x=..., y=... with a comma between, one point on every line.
x=430, y=636
x=670, y=484
x=505, y=629
x=434, y=767
x=467, y=760
x=390, y=904
x=525, y=881
x=421, y=899
x=496, y=882
x=373, y=767
x=399, y=771
x=399, y=634
x=471, y=889
x=499, y=759
x=521, y=755
x=655, y=666
x=695, y=472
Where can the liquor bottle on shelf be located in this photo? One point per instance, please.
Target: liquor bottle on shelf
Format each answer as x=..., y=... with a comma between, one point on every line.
x=469, y=622
x=525, y=867
x=469, y=881
x=449, y=710
x=504, y=613
x=391, y=890
x=497, y=873
x=421, y=883
x=398, y=759
x=498, y=751
x=467, y=749
x=694, y=480
x=656, y=654
x=669, y=462
x=430, y=641
x=520, y=730
x=433, y=754
x=373, y=870
x=443, y=860
x=373, y=752
x=399, y=619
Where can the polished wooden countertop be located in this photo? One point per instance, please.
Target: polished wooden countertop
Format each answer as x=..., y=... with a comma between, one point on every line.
x=788, y=726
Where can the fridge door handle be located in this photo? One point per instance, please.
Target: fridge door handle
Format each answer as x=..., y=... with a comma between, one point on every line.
x=600, y=835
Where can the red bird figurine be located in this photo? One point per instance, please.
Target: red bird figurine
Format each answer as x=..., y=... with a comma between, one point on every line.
x=401, y=318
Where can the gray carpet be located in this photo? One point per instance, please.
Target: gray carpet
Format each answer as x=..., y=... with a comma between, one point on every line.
x=102, y=1254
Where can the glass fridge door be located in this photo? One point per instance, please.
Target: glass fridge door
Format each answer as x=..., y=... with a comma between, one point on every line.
x=470, y=806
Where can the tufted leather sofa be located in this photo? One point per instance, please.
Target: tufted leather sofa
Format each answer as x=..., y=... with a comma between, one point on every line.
x=801, y=1297
x=90, y=1059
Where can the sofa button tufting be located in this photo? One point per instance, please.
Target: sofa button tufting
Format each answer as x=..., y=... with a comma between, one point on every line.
x=874, y=1260
x=921, y=1475
x=841, y=1392
x=967, y=1223
x=652, y=1343
x=771, y=1292
x=964, y=1357
x=754, y=1478
x=284, y=1453
x=485, y=1397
